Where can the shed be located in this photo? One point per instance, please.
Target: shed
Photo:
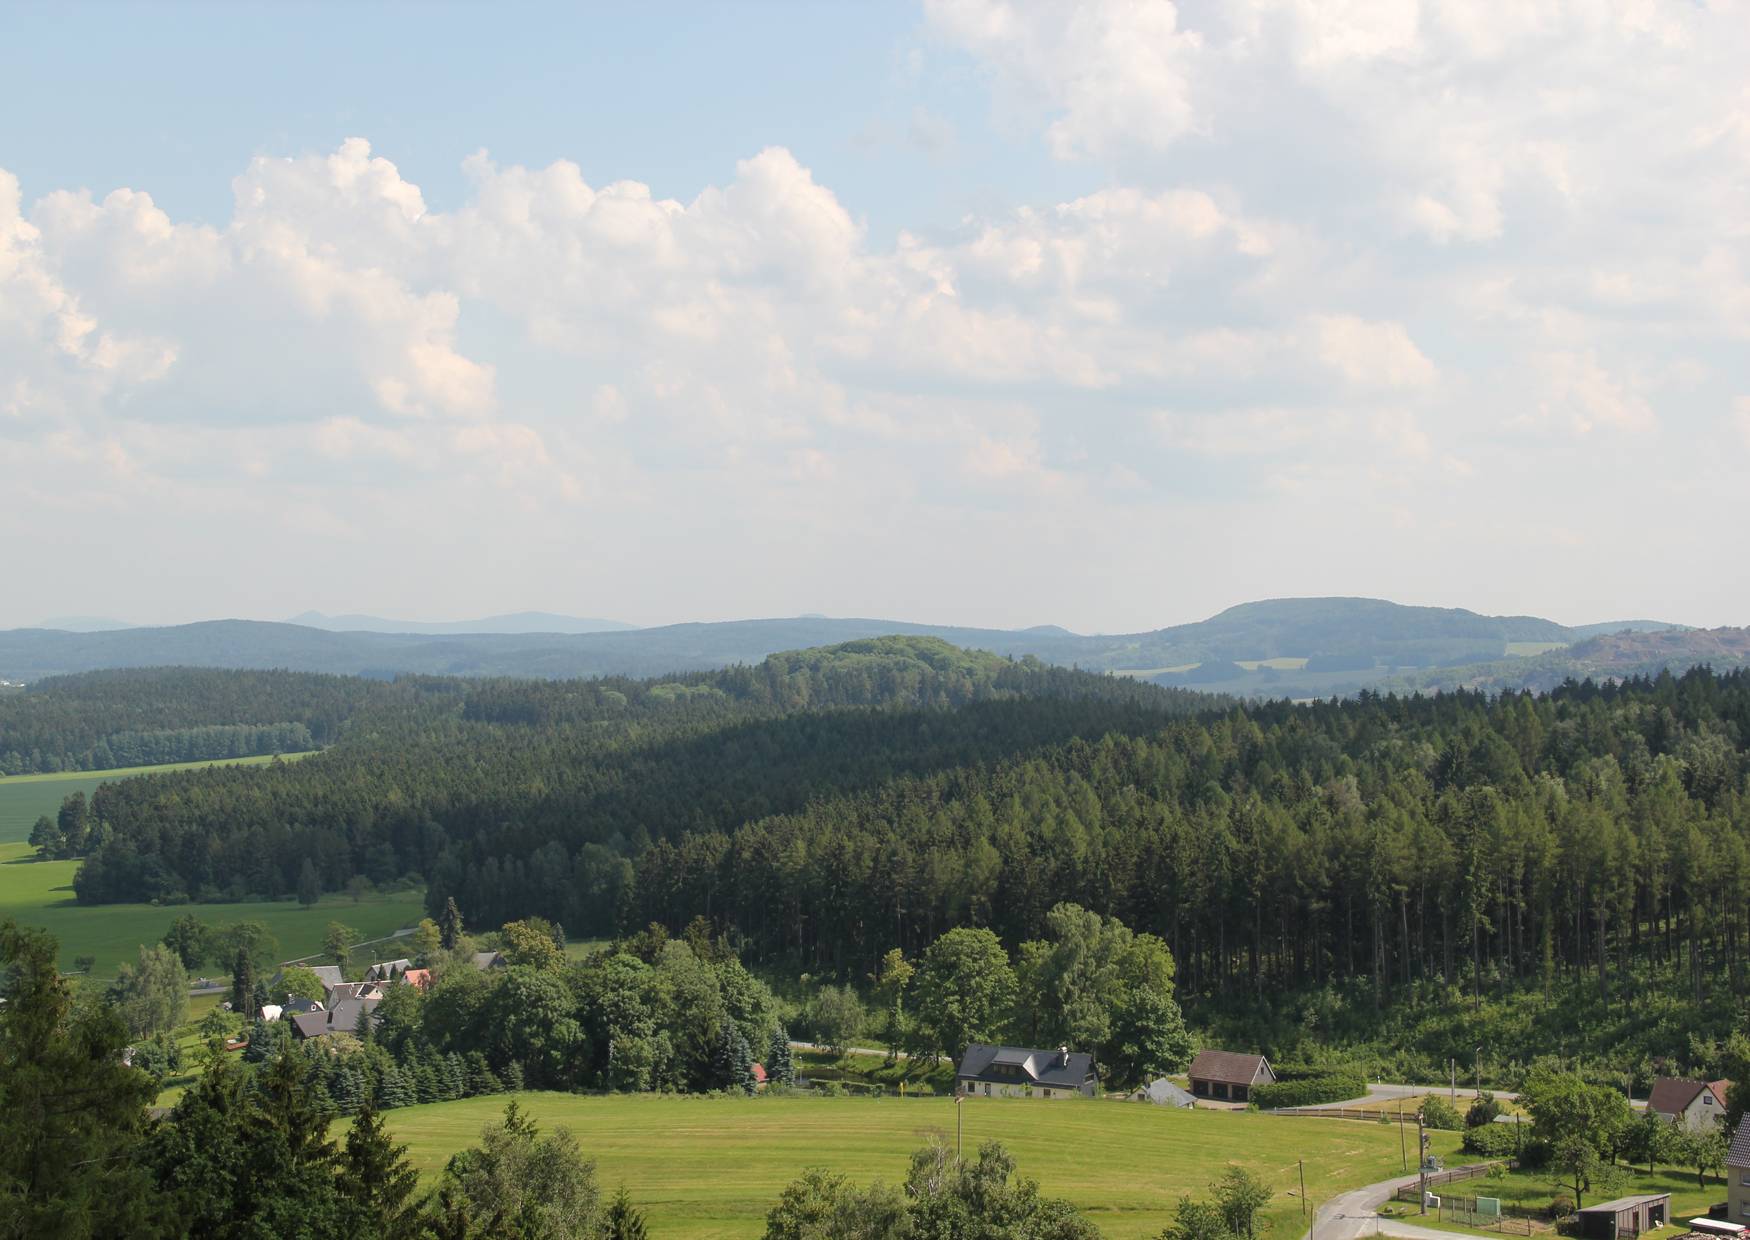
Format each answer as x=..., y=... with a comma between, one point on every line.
x=1229, y=1076
x=1625, y=1216
x=1164, y=1093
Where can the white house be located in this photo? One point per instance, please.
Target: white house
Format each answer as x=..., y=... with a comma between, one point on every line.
x=1694, y=1104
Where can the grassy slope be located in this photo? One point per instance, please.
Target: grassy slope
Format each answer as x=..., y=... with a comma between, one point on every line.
x=712, y=1167
x=25, y=798
x=40, y=893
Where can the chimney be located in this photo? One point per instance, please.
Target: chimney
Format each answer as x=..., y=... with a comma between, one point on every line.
x=1063, y=1056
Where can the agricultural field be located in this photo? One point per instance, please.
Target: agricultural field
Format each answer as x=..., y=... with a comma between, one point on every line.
x=709, y=1167
x=25, y=798
x=1528, y=649
x=40, y=893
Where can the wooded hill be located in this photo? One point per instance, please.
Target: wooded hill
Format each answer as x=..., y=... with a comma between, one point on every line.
x=829, y=805
x=1309, y=647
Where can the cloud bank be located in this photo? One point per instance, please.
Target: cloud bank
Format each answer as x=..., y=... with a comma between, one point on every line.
x=1441, y=300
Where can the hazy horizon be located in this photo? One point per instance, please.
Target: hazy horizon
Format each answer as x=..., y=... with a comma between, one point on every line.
x=960, y=312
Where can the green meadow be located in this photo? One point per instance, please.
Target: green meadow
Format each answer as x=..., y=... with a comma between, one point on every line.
x=40, y=893
x=712, y=1166
x=25, y=798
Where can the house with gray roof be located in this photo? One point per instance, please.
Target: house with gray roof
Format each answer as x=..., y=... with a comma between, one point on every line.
x=1163, y=1093
x=342, y=1018
x=1738, y=1176
x=1229, y=1076
x=489, y=960
x=388, y=970
x=1026, y=1072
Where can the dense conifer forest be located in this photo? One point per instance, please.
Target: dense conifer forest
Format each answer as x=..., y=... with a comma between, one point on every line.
x=827, y=806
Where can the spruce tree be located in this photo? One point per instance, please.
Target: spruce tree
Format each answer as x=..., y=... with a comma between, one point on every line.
x=261, y=1042
x=455, y=1077
x=731, y=1060
x=780, y=1062
x=624, y=1221
x=481, y=1079
x=513, y=1077
x=242, y=984
x=394, y=1090
x=450, y=925
x=376, y=1181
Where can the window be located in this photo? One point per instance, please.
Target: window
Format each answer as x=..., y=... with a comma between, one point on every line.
x=987, y=1089
x=1707, y=1100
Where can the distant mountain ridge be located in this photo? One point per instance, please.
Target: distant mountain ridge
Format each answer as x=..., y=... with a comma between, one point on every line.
x=512, y=622
x=1270, y=648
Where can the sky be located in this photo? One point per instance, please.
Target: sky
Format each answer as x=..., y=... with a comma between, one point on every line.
x=1106, y=314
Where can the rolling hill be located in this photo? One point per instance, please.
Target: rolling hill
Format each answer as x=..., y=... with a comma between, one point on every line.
x=1272, y=648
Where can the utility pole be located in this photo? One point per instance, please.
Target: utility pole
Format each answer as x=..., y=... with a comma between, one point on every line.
x=1479, y=1072
x=1303, y=1202
x=959, y=1129
x=1453, y=1065
x=1403, y=1147
x=1421, y=1166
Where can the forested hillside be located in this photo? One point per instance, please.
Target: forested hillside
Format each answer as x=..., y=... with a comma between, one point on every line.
x=1367, y=849
x=137, y=717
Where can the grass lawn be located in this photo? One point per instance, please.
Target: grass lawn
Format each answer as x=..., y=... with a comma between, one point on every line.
x=1535, y=1190
x=40, y=893
x=712, y=1167
x=875, y=1070
x=25, y=798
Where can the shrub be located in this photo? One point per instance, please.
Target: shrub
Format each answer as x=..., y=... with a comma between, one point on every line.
x=1310, y=1091
x=1438, y=1113
x=1482, y=1111
x=1491, y=1141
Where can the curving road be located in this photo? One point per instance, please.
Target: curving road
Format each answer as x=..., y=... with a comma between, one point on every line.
x=1355, y=1213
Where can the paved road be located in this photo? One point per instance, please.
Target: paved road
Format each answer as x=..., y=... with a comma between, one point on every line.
x=1355, y=1214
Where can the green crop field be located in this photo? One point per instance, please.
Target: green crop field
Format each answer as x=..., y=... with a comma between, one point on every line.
x=711, y=1166
x=25, y=798
x=40, y=893
x=1523, y=649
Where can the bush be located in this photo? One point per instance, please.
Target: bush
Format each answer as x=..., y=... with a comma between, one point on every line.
x=1310, y=1091
x=1491, y=1141
x=1482, y=1111
x=1438, y=1113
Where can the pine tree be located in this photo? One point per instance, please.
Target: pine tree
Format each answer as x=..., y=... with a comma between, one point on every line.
x=424, y=1079
x=455, y=1077
x=624, y=1221
x=242, y=984
x=450, y=925
x=258, y=997
x=480, y=1076
x=348, y=1089
x=780, y=1062
x=513, y=1077
x=377, y=1182
x=394, y=1091
x=731, y=1060
x=261, y=1042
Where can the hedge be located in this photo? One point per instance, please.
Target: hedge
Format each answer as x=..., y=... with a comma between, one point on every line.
x=1310, y=1091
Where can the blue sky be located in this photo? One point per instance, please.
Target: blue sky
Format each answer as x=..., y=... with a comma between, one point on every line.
x=985, y=311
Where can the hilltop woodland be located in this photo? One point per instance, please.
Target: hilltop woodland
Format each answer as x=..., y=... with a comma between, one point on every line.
x=1390, y=881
